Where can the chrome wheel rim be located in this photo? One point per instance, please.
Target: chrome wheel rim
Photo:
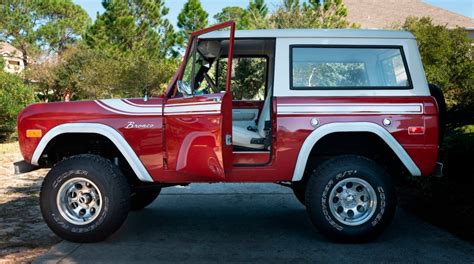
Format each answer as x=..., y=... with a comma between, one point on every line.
x=352, y=201
x=79, y=201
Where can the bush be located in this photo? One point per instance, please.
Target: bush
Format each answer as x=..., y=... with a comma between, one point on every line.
x=14, y=95
x=447, y=56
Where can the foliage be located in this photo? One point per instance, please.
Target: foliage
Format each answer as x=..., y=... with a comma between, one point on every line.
x=253, y=17
x=14, y=95
x=290, y=14
x=239, y=15
x=84, y=73
x=31, y=25
x=447, y=56
x=257, y=13
x=311, y=14
x=133, y=27
x=191, y=18
x=248, y=79
x=128, y=51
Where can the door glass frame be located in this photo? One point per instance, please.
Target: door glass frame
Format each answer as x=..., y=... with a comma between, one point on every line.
x=193, y=39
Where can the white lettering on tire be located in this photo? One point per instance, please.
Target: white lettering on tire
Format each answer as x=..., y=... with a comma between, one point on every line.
x=382, y=206
x=324, y=206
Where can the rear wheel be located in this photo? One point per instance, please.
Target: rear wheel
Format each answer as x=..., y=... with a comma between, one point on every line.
x=84, y=198
x=437, y=93
x=350, y=199
x=140, y=200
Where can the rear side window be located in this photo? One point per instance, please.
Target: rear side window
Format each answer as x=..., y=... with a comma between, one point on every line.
x=359, y=67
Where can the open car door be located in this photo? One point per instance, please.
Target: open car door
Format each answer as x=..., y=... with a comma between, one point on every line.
x=198, y=115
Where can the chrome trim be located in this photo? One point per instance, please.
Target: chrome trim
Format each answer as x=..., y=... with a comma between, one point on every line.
x=289, y=109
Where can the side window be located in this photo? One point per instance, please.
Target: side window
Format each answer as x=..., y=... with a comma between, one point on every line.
x=249, y=77
x=348, y=68
x=196, y=79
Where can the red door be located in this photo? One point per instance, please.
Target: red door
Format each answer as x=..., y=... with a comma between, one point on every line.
x=198, y=116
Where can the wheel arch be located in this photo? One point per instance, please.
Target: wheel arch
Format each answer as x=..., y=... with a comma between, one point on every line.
x=343, y=127
x=94, y=129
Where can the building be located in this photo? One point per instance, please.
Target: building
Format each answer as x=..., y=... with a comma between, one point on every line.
x=389, y=13
x=12, y=58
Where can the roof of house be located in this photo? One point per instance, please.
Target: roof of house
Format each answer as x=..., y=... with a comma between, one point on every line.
x=8, y=50
x=312, y=33
x=387, y=13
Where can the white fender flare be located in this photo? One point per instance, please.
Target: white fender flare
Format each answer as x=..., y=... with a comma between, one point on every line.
x=327, y=129
x=104, y=130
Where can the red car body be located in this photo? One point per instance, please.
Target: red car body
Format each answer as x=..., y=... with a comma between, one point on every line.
x=182, y=140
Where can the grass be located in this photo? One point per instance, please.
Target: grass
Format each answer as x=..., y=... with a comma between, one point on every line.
x=8, y=148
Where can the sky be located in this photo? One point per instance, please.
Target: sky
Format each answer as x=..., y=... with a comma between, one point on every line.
x=463, y=7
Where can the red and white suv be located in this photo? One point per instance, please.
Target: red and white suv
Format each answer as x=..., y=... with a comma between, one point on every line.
x=334, y=114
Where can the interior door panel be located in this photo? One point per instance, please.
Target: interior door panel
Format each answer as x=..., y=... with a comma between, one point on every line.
x=244, y=114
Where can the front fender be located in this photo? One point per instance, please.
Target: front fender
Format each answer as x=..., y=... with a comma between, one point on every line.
x=115, y=137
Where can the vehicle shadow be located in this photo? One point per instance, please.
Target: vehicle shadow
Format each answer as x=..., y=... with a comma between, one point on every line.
x=21, y=224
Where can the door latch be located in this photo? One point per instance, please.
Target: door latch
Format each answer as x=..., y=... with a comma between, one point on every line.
x=228, y=139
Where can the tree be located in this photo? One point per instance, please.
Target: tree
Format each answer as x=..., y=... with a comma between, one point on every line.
x=191, y=18
x=34, y=25
x=83, y=73
x=257, y=12
x=239, y=15
x=136, y=26
x=14, y=95
x=311, y=14
x=447, y=56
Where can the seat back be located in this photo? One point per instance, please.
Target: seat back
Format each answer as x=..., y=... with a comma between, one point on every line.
x=265, y=114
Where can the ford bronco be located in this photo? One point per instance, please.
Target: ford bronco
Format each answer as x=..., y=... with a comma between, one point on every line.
x=337, y=115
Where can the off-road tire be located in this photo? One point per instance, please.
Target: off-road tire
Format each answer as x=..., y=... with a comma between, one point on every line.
x=324, y=180
x=115, y=198
x=142, y=199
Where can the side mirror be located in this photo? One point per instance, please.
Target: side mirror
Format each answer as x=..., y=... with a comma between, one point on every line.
x=184, y=88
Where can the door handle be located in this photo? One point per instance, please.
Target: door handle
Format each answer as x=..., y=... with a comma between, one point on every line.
x=228, y=139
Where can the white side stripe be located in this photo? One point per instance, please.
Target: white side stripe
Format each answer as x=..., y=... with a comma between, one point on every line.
x=120, y=106
x=125, y=107
x=289, y=109
x=142, y=105
x=192, y=109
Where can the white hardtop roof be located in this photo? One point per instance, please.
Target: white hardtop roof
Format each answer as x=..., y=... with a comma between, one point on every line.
x=311, y=33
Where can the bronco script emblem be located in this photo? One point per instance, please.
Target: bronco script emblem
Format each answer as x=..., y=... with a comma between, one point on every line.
x=132, y=124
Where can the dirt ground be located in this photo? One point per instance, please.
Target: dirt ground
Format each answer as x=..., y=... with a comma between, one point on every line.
x=23, y=233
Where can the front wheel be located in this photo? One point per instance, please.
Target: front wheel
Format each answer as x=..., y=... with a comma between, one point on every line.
x=84, y=198
x=350, y=199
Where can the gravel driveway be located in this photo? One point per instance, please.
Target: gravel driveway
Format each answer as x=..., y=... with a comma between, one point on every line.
x=209, y=223
x=23, y=234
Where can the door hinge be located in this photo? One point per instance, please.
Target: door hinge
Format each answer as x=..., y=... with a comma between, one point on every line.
x=228, y=139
